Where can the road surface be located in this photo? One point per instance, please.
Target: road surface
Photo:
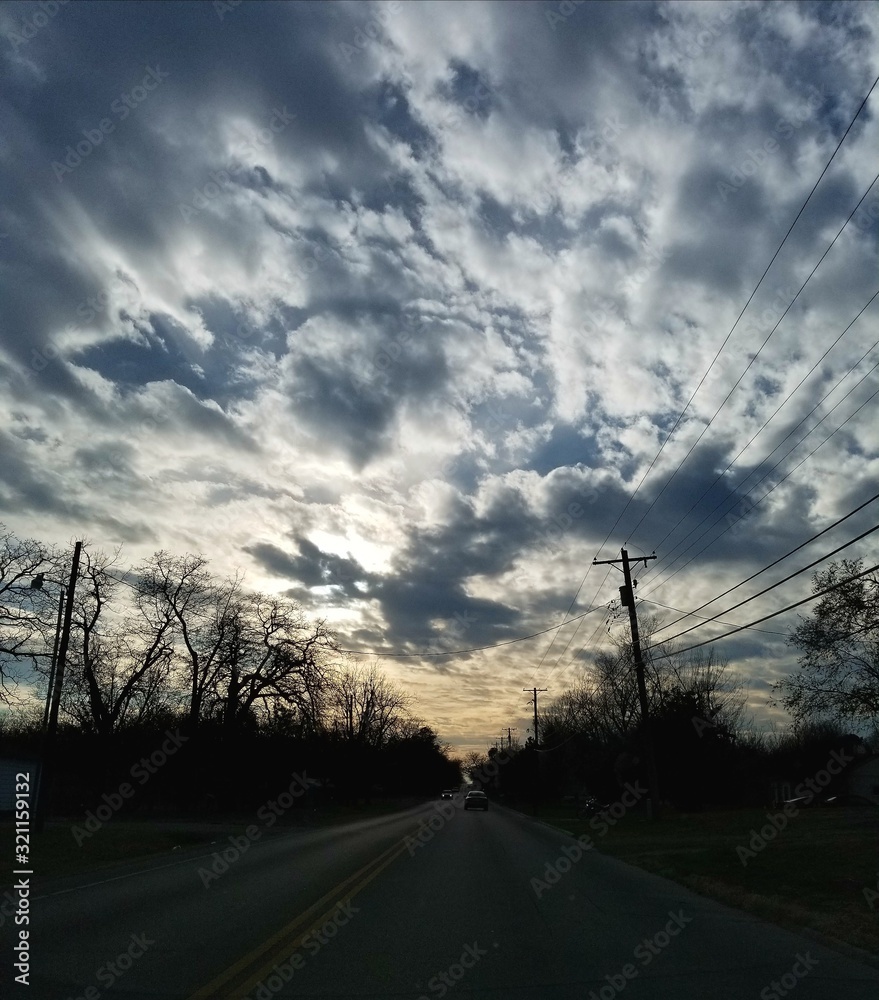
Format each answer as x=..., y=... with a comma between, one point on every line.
x=417, y=905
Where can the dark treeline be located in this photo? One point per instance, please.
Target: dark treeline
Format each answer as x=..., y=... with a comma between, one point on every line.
x=251, y=690
x=256, y=694
x=708, y=753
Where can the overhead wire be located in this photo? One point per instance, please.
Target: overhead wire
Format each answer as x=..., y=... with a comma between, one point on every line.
x=472, y=649
x=769, y=419
x=747, y=303
x=739, y=497
x=774, y=586
x=711, y=366
x=830, y=527
x=775, y=562
x=766, y=618
x=747, y=368
x=692, y=614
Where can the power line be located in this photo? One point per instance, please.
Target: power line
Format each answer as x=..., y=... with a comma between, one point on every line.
x=744, y=308
x=766, y=590
x=692, y=614
x=473, y=649
x=766, y=423
x=740, y=497
x=754, y=357
x=712, y=364
x=766, y=618
x=775, y=562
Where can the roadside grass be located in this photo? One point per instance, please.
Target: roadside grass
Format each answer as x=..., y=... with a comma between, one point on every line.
x=58, y=850
x=811, y=874
x=55, y=851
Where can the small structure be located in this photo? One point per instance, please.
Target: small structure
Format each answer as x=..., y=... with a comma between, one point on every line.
x=860, y=782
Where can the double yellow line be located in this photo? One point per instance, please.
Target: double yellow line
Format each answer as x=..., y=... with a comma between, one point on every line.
x=248, y=972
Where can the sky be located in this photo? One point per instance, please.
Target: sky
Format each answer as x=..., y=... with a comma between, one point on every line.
x=409, y=311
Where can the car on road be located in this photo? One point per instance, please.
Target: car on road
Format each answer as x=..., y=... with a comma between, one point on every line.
x=448, y=793
x=476, y=800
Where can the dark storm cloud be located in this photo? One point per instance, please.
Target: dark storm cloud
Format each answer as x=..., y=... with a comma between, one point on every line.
x=312, y=567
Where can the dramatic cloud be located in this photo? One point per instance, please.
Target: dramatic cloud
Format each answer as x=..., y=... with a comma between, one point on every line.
x=394, y=305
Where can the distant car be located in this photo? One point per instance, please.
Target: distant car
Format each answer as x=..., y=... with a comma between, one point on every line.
x=448, y=793
x=476, y=800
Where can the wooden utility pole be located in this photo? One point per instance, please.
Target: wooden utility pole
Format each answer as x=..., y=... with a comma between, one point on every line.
x=534, y=692
x=627, y=598
x=47, y=766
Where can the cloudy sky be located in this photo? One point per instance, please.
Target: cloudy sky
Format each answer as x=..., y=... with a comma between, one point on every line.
x=393, y=306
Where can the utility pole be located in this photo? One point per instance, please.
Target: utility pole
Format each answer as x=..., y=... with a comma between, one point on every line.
x=627, y=598
x=534, y=692
x=48, y=762
x=510, y=736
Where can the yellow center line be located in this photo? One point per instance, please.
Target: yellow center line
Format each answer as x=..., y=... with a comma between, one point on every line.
x=258, y=963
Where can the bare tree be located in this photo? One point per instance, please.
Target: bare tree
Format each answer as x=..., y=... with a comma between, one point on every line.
x=238, y=655
x=205, y=614
x=119, y=661
x=366, y=707
x=605, y=704
x=273, y=656
x=27, y=614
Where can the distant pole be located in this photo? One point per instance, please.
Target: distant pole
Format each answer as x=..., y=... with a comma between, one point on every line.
x=49, y=736
x=534, y=692
x=627, y=596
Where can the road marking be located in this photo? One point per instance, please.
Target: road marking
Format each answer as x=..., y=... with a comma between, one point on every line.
x=257, y=964
x=115, y=878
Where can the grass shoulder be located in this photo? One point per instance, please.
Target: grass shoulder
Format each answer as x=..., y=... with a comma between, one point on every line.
x=806, y=870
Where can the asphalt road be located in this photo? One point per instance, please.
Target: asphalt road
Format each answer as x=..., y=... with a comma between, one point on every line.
x=480, y=905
